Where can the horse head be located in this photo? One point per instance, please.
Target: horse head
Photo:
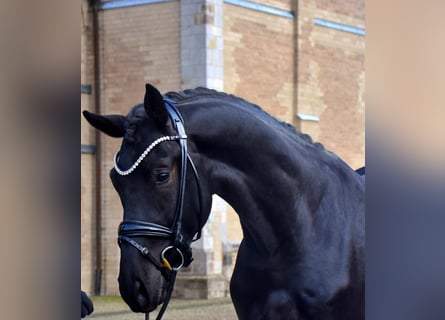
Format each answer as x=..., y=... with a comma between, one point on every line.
x=164, y=203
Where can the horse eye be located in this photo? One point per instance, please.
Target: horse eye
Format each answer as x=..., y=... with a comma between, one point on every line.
x=162, y=177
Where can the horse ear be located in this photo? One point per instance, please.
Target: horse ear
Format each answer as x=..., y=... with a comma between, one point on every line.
x=154, y=105
x=112, y=125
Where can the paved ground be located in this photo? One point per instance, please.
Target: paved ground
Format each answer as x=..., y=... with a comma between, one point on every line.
x=113, y=308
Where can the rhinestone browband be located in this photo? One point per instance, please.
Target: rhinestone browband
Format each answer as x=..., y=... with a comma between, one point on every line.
x=144, y=154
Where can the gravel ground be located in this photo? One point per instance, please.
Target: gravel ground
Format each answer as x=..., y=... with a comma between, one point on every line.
x=113, y=308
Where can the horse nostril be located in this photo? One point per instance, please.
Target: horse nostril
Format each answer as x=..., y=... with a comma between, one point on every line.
x=141, y=293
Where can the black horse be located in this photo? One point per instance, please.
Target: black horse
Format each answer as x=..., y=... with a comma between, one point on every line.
x=301, y=207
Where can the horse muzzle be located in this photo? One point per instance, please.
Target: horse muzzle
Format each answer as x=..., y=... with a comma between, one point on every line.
x=141, y=297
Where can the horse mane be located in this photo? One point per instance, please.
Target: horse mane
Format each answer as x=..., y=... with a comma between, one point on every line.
x=199, y=92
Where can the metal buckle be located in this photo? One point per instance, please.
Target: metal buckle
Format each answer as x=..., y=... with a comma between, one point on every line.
x=172, y=258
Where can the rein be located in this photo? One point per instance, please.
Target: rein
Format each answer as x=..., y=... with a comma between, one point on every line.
x=178, y=254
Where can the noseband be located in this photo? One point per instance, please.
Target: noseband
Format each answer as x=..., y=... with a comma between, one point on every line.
x=178, y=254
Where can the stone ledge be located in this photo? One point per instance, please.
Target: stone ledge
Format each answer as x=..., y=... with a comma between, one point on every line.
x=201, y=287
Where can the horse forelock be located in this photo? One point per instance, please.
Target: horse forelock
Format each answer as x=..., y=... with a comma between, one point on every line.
x=136, y=114
x=134, y=117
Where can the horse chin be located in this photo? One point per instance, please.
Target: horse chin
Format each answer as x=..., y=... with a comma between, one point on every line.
x=141, y=304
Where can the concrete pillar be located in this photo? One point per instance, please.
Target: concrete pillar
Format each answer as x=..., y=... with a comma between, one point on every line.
x=202, y=65
x=202, y=44
x=205, y=277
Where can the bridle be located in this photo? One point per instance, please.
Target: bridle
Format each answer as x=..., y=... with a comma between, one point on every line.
x=178, y=254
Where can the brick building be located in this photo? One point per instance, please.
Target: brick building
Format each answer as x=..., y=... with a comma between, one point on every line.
x=302, y=61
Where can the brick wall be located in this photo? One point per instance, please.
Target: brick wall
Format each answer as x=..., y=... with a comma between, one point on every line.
x=331, y=77
x=259, y=59
x=280, y=4
x=139, y=44
x=87, y=160
x=87, y=223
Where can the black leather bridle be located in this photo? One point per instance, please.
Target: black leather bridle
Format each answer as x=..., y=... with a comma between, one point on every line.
x=178, y=254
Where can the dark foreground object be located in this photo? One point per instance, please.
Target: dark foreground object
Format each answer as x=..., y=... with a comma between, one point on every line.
x=86, y=305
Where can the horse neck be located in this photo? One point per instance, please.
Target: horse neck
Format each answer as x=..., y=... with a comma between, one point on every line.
x=261, y=171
